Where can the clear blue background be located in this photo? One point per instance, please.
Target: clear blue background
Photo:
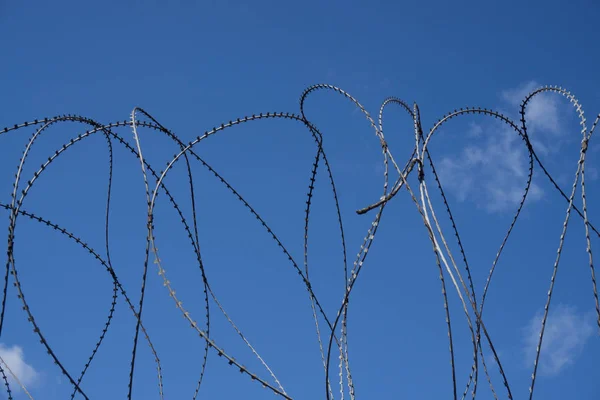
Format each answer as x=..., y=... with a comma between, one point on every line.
x=194, y=65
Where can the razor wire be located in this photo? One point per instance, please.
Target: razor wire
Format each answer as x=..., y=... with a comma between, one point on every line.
x=332, y=331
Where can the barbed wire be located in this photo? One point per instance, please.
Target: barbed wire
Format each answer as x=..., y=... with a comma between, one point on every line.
x=332, y=333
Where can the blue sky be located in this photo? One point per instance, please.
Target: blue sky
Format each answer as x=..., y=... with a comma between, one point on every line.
x=195, y=65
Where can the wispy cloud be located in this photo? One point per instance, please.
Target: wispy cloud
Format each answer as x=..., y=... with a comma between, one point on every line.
x=515, y=96
x=542, y=115
x=565, y=336
x=475, y=130
x=493, y=173
x=13, y=357
x=493, y=169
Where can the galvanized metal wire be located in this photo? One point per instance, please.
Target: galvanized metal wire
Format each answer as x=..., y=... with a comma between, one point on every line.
x=331, y=329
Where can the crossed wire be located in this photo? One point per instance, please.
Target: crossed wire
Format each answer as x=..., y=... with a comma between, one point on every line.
x=331, y=333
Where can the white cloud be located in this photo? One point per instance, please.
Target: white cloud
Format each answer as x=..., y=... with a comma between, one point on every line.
x=492, y=170
x=13, y=357
x=516, y=95
x=493, y=173
x=542, y=115
x=475, y=130
x=565, y=336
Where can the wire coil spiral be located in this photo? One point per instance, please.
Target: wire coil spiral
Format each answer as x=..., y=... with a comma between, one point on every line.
x=332, y=334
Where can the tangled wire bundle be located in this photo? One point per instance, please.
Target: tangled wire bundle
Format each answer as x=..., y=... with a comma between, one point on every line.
x=332, y=337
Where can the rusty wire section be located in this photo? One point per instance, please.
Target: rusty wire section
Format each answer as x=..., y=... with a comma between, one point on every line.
x=454, y=271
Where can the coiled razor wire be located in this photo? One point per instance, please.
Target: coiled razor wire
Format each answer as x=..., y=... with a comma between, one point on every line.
x=332, y=335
